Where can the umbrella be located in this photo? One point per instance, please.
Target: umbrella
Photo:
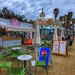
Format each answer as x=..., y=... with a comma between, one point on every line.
x=37, y=39
x=62, y=33
x=55, y=36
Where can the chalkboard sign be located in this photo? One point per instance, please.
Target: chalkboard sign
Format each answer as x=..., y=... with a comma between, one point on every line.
x=56, y=47
x=62, y=49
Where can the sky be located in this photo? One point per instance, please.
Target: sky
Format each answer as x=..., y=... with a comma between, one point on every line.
x=32, y=8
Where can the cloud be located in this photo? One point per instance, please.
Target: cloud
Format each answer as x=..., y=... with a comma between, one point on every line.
x=32, y=8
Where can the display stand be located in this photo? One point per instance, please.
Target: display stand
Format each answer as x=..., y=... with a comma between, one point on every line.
x=55, y=47
x=60, y=48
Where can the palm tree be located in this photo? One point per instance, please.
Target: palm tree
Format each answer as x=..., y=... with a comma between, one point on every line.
x=56, y=11
x=61, y=18
x=69, y=18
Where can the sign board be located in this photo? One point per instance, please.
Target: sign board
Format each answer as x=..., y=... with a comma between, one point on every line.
x=14, y=22
x=62, y=49
x=55, y=47
x=49, y=56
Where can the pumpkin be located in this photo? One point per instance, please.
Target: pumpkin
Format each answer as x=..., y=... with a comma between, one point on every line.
x=30, y=41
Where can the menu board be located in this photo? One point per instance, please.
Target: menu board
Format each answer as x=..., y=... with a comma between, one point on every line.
x=56, y=47
x=62, y=49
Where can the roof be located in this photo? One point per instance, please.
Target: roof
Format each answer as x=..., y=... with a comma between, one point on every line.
x=21, y=27
x=48, y=27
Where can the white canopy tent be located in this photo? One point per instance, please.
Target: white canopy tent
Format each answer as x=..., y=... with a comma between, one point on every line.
x=13, y=28
x=23, y=26
x=26, y=27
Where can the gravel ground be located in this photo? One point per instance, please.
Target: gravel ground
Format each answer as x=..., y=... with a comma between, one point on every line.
x=61, y=65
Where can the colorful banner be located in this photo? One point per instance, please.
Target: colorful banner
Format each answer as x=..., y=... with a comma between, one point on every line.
x=14, y=22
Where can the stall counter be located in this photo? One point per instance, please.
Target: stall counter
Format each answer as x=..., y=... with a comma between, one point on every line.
x=11, y=41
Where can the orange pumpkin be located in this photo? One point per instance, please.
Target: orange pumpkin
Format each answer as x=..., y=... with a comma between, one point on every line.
x=26, y=42
x=30, y=41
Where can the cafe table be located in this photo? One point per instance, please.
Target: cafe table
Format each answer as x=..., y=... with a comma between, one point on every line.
x=24, y=58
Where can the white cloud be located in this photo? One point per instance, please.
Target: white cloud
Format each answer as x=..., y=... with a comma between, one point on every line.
x=32, y=8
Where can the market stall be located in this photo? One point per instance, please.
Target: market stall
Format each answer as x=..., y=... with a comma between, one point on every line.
x=10, y=27
x=9, y=40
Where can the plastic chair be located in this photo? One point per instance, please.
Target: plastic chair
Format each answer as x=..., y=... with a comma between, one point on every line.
x=43, y=62
x=6, y=65
x=1, y=57
x=7, y=50
x=14, y=53
x=17, y=71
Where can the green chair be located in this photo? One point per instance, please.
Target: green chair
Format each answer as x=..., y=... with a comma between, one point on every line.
x=1, y=60
x=1, y=57
x=7, y=50
x=14, y=53
x=40, y=64
x=17, y=71
x=43, y=59
x=6, y=65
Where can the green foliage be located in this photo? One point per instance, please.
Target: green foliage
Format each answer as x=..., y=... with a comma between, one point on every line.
x=1, y=57
x=25, y=51
x=46, y=44
x=15, y=46
x=6, y=13
x=56, y=11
